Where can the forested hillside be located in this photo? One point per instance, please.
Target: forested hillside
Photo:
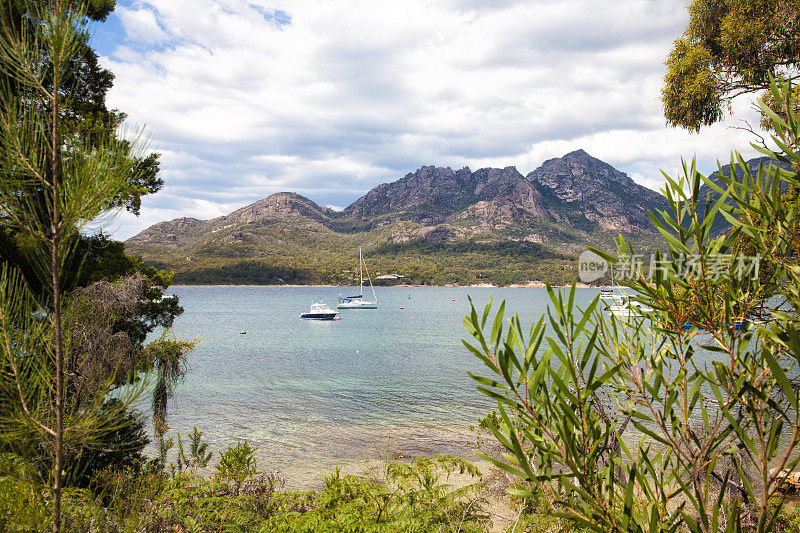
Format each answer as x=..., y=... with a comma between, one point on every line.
x=434, y=226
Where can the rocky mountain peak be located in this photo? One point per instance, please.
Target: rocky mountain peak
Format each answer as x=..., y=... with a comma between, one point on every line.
x=422, y=195
x=185, y=222
x=569, y=175
x=580, y=153
x=277, y=206
x=576, y=194
x=168, y=233
x=598, y=191
x=577, y=189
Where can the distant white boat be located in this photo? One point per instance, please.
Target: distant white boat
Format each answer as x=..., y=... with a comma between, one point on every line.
x=320, y=311
x=358, y=302
x=621, y=305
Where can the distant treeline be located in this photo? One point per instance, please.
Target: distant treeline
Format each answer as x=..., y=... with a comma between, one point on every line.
x=419, y=263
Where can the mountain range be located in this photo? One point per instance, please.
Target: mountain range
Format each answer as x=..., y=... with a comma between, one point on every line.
x=724, y=172
x=436, y=225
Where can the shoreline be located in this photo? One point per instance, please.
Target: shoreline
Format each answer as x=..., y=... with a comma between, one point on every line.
x=358, y=450
x=529, y=285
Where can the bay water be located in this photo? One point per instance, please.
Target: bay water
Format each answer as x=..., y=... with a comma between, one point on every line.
x=312, y=395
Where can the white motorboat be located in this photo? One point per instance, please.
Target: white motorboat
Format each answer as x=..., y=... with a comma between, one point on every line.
x=320, y=311
x=621, y=305
x=358, y=302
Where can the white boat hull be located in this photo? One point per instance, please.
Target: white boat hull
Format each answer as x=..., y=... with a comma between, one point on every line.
x=358, y=302
x=320, y=311
x=357, y=305
x=627, y=312
x=622, y=306
x=629, y=309
x=317, y=316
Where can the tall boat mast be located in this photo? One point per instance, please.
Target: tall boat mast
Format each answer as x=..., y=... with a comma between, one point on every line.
x=358, y=302
x=374, y=297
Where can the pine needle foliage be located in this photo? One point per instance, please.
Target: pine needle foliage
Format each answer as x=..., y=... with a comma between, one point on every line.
x=52, y=183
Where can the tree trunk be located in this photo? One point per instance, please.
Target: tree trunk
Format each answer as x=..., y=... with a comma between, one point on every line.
x=55, y=242
x=59, y=403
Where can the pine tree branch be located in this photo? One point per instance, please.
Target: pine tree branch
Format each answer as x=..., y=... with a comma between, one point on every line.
x=15, y=375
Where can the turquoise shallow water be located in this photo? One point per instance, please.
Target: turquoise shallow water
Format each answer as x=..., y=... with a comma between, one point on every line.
x=315, y=394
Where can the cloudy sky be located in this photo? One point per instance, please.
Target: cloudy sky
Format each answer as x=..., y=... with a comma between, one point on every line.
x=245, y=98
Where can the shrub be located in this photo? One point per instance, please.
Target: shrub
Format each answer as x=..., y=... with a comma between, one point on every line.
x=236, y=465
x=706, y=388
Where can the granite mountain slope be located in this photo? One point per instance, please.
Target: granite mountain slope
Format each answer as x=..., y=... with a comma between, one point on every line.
x=720, y=223
x=433, y=214
x=576, y=189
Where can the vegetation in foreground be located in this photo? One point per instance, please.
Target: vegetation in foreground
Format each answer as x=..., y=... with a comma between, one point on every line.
x=74, y=310
x=415, y=496
x=684, y=419
x=145, y=496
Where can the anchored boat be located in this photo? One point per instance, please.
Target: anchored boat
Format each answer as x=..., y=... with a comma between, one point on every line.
x=358, y=302
x=320, y=311
x=621, y=305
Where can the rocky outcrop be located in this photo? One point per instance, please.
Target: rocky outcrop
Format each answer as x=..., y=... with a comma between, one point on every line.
x=560, y=203
x=278, y=206
x=432, y=195
x=426, y=196
x=490, y=214
x=439, y=235
x=168, y=233
x=228, y=228
x=508, y=192
x=597, y=192
x=576, y=189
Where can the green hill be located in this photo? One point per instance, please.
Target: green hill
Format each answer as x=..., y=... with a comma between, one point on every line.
x=433, y=226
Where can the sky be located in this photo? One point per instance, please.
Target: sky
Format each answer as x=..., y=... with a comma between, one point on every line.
x=329, y=98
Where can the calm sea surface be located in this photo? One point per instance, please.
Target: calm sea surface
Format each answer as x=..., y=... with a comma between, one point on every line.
x=311, y=395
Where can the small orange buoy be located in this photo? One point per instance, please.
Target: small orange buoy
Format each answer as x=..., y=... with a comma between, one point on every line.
x=453, y=300
x=401, y=306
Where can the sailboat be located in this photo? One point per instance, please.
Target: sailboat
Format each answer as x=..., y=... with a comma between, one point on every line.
x=358, y=302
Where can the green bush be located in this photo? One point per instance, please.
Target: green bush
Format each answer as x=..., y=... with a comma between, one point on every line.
x=22, y=505
x=704, y=381
x=410, y=497
x=236, y=465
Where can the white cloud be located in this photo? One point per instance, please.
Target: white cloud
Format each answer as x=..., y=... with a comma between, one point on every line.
x=141, y=25
x=330, y=98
